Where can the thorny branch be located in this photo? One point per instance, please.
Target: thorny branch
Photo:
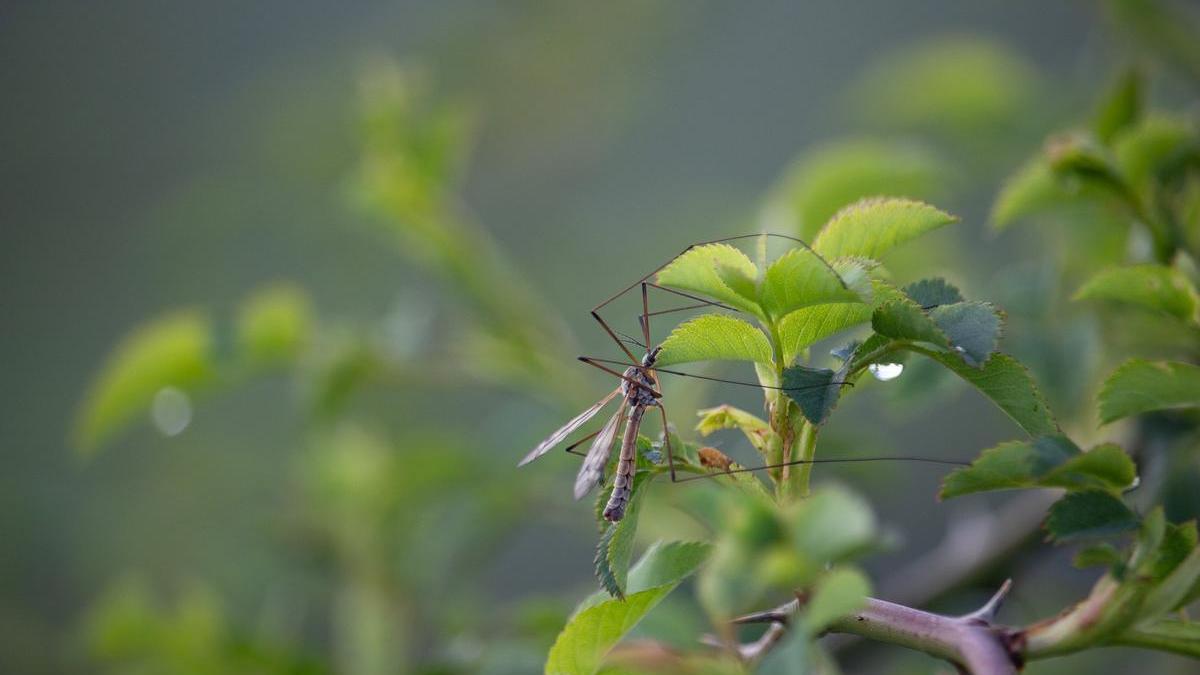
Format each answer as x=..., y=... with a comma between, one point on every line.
x=973, y=643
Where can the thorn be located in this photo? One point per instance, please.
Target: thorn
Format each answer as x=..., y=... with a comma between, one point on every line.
x=780, y=614
x=987, y=613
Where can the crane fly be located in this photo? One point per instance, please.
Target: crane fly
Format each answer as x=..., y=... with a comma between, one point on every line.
x=639, y=391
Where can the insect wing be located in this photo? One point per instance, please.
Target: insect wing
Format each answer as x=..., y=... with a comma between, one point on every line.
x=597, y=457
x=558, y=436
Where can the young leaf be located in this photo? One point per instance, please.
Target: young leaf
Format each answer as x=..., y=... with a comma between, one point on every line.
x=828, y=178
x=1154, y=287
x=871, y=227
x=831, y=526
x=801, y=278
x=1089, y=515
x=973, y=329
x=715, y=337
x=1004, y=380
x=1048, y=461
x=843, y=591
x=596, y=628
x=904, y=319
x=815, y=390
x=1140, y=386
x=1102, y=554
x=709, y=270
x=729, y=417
x=174, y=351
x=930, y=293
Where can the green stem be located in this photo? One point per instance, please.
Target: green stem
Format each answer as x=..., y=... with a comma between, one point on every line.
x=808, y=450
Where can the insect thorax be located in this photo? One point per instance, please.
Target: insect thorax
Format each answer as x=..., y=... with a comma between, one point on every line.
x=644, y=394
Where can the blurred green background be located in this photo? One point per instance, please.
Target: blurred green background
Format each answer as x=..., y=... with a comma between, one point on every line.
x=158, y=156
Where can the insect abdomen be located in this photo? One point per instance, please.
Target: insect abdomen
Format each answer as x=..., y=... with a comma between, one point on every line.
x=626, y=464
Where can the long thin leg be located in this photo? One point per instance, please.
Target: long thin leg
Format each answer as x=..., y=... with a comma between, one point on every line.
x=571, y=448
x=645, y=315
x=613, y=335
x=834, y=460
x=598, y=363
x=667, y=443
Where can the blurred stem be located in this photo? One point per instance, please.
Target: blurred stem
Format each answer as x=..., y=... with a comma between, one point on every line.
x=808, y=450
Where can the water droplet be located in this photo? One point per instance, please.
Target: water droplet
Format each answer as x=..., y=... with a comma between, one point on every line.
x=171, y=411
x=886, y=371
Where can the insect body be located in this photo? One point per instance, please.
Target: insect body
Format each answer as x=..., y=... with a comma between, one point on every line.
x=638, y=388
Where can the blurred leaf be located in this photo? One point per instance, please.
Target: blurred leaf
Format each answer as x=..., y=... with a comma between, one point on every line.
x=1140, y=386
x=843, y=591
x=592, y=632
x=833, y=525
x=1151, y=149
x=1103, y=554
x=929, y=293
x=824, y=180
x=1089, y=515
x=274, y=325
x=801, y=278
x=871, y=227
x=704, y=269
x=1033, y=188
x=1121, y=106
x=1047, y=461
x=173, y=351
x=905, y=320
x=1173, y=590
x=1008, y=383
x=1178, y=542
x=715, y=337
x=1164, y=29
x=964, y=85
x=815, y=390
x=1153, y=287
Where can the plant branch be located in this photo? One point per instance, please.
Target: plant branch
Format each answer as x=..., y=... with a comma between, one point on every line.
x=972, y=642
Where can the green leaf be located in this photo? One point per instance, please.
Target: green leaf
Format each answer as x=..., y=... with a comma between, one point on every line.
x=1121, y=106
x=871, y=227
x=815, y=390
x=805, y=327
x=274, y=325
x=1154, y=287
x=1140, y=386
x=1004, y=380
x=174, y=351
x=715, y=337
x=839, y=593
x=973, y=329
x=615, y=548
x=1178, y=541
x=1089, y=515
x=1046, y=462
x=929, y=293
x=709, y=270
x=828, y=178
x=801, y=278
x=595, y=629
x=1172, y=591
x=904, y=319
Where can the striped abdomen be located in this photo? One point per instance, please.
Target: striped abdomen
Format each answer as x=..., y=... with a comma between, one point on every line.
x=626, y=464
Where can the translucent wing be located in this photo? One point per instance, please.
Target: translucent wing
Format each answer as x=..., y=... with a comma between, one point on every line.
x=558, y=436
x=597, y=457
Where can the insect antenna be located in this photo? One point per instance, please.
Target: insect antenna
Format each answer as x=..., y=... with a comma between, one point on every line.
x=697, y=376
